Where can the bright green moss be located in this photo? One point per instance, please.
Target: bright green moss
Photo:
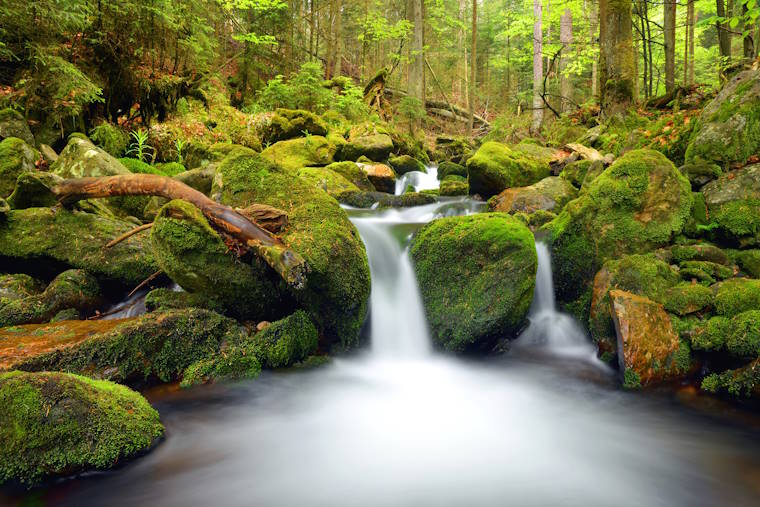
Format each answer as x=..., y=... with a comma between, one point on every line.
x=16, y=157
x=287, y=341
x=289, y=123
x=749, y=262
x=139, y=167
x=713, y=336
x=453, y=187
x=57, y=424
x=736, y=296
x=705, y=271
x=496, y=166
x=327, y=180
x=353, y=173
x=492, y=257
x=294, y=154
x=699, y=252
x=114, y=140
x=738, y=221
x=575, y=172
x=744, y=339
x=687, y=298
x=384, y=200
x=403, y=164
x=743, y=381
x=170, y=168
x=447, y=168
x=234, y=363
x=631, y=380
x=167, y=299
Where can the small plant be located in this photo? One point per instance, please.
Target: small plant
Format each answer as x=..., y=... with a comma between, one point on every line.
x=179, y=144
x=139, y=146
x=412, y=110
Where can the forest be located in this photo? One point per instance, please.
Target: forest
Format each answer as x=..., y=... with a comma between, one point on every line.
x=380, y=252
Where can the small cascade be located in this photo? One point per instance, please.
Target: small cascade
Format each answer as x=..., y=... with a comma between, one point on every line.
x=550, y=329
x=419, y=180
x=132, y=306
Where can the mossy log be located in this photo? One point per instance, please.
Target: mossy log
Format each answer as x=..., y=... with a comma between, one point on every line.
x=288, y=264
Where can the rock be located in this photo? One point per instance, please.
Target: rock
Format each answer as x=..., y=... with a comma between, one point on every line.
x=18, y=286
x=373, y=146
x=749, y=262
x=13, y=124
x=496, y=166
x=453, y=149
x=688, y=298
x=72, y=289
x=608, y=159
x=327, y=180
x=728, y=129
x=404, y=164
x=196, y=257
x=447, y=168
x=16, y=157
x=650, y=350
x=701, y=173
x=699, y=252
x=636, y=205
x=733, y=205
x=33, y=190
x=294, y=154
x=81, y=159
x=492, y=258
x=48, y=154
x=594, y=170
x=744, y=381
x=384, y=200
x=57, y=424
x=163, y=299
x=704, y=271
x=381, y=176
x=584, y=152
x=737, y=295
x=575, y=172
x=285, y=124
x=549, y=194
x=112, y=139
x=200, y=179
x=337, y=289
x=353, y=173
x=39, y=237
x=453, y=187
x=5, y=208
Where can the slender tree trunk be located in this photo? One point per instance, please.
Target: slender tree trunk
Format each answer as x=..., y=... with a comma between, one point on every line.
x=592, y=9
x=459, y=83
x=338, y=37
x=616, y=56
x=566, y=38
x=691, y=41
x=416, y=86
x=669, y=29
x=312, y=28
x=724, y=39
x=538, y=68
x=749, y=42
x=473, y=65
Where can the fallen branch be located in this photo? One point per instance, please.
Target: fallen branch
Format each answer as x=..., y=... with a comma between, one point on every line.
x=128, y=234
x=144, y=283
x=288, y=264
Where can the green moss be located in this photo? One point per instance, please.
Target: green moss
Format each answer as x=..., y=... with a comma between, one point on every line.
x=18, y=286
x=492, y=257
x=289, y=123
x=496, y=166
x=287, y=341
x=687, y=298
x=327, y=180
x=699, y=252
x=16, y=157
x=367, y=140
x=167, y=299
x=353, y=173
x=744, y=339
x=713, y=336
x=114, y=140
x=139, y=167
x=705, y=271
x=234, y=363
x=13, y=124
x=749, y=262
x=80, y=158
x=631, y=380
x=738, y=221
x=743, y=381
x=453, y=187
x=447, y=168
x=575, y=172
x=171, y=168
x=55, y=424
x=383, y=200
x=736, y=296
x=404, y=164
x=294, y=154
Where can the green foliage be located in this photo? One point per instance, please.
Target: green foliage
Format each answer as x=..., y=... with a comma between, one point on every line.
x=139, y=146
x=412, y=110
x=111, y=138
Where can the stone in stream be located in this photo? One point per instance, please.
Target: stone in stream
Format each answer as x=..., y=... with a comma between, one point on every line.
x=476, y=275
x=383, y=178
x=549, y=194
x=649, y=349
x=495, y=167
x=385, y=200
x=405, y=163
x=58, y=424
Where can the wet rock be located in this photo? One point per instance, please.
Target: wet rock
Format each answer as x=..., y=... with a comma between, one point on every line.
x=58, y=424
x=495, y=167
x=649, y=349
x=549, y=194
x=492, y=257
x=353, y=173
x=294, y=154
x=385, y=200
x=453, y=149
x=327, y=180
x=200, y=179
x=48, y=154
x=285, y=124
x=13, y=124
x=381, y=176
x=454, y=185
x=447, y=168
x=404, y=164
x=16, y=157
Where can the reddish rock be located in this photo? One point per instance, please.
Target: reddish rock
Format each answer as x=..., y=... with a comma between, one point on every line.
x=381, y=176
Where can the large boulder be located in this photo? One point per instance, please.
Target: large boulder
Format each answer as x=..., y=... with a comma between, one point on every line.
x=285, y=124
x=382, y=177
x=733, y=205
x=13, y=124
x=495, y=167
x=326, y=179
x=491, y=257
x=337, y=288
x=58, y=424
x=549, y=194
x=353, y=173
x=375, y=146
x=405, y=163
x=649, y=349
x=81, y=159
x=728, y=129
x=294, y=154
x=16, y=157
x=36, y=238
x=636, y=205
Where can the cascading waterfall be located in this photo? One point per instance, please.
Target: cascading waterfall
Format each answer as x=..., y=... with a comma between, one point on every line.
x=418, y=180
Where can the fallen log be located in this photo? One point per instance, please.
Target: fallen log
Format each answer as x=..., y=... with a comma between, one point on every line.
x=439, y=105
x=288, y=264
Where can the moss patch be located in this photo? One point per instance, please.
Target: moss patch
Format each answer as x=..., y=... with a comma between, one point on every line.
x=496, y=166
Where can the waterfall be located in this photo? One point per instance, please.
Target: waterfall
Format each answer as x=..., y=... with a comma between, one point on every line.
x=419, y=180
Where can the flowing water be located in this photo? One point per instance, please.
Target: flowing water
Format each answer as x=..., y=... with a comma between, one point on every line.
x=400, y=425
x=419, y=180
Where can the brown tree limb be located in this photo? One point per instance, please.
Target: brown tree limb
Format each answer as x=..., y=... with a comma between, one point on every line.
x=128, y=234
x=288, y=264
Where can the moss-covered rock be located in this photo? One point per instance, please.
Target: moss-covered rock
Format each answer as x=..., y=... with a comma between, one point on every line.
x=139, y=167
x=196, y=257
x=326, y=179
x=18, y=286
x=13, y=124
x=382, y=177
x=285, y=124
x=73, y=289
x=699, y=252
x=353, y=173
x=404, y=164
x=495, y=167
x=16, y=157
x=701, y=173
x=287, y=341
x=737, y=295
x=704, y=271
x=575, y=172
x=385, y=200
x=163, y=299
x=687, y=298
x=744, y=381
x=80, y=158
x=32, y=190
x=76, y=239
x=294, y=154
x=636, y=205
x=453, y=149
x=594, y=170
x=447, y=168
x=58, y=424
x=749, y=262
x=549, y=194
x=728, y=129
x=113, y=139
x=492, y=258
x=452, y=187
x=171, y=168
x=733, y=204
x=318, y=229
x=373, y=146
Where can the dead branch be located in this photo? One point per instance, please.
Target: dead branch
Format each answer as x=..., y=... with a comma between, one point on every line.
x=128, y=234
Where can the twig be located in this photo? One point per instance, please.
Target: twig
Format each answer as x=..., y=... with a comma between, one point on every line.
x=128, y=234
x=145, y=282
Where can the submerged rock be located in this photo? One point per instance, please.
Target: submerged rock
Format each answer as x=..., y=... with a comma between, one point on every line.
x=495, y=167
x=16, y=157
x=549, y=194
x=58, y=424
x=491, y=258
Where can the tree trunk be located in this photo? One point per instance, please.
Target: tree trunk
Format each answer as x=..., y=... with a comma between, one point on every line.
x=749, y=43
x=592, y=9
x=459, y=83
x=288, y=264
x=338, y=37
x=473, y=65
x=669, y=29
x=566, y=38
x=538, y=68
x=724, y=39
x=616, y=56
x=416, y=86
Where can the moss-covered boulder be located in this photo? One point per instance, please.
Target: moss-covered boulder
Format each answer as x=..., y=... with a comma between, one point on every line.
x=373, y=146
x=80, y=158
x=743, y=381
x=58, y=424
x=491, y=257
x=733, y=205
x=301, y=152
x=382, y=177
x=575, y=172
x=318, y=229
x=111, y=138
x=454, y=187
x=196, y=257
x=453, y=149
x=385, y=200
x=34, y=237
x=447, y=168
x=728, y=129
x=162, y=299
x=701, y=173
x=33, y=190
x=16, y=157
x=737, y=295
x=13, y=124
x=495, y=167
x=326, y=179
x=636, y=205
x=749, y=262
x=405, y=163
x=73, y=289
x=285, y=124
x=353, y=173
x=549, y=194
x=699, y=252
x=18, y=286
x=649, y=348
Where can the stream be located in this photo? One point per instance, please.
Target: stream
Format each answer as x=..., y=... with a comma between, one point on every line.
x=398, y=424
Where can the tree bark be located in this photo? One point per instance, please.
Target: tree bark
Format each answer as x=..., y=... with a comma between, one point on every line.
x=748, y=42
x=593, y=27
x=669, y=30
x=616, y=57
x=538, y=68
x=473, y=65
x=288, y=264
x=724, y=38
x=338, y=37
x=566, y=38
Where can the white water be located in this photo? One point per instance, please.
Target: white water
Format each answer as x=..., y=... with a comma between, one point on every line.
x=419, y=180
